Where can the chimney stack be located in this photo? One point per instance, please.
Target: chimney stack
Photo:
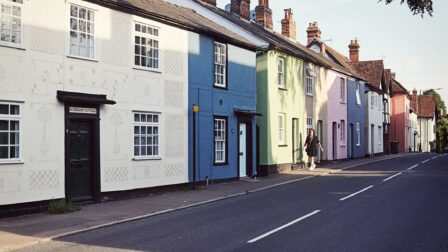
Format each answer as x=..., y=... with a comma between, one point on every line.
x=289, y=25
x=313, y=32
x=241, y=8
x=414, y=102
x=211, y=2
x=354, y=50
x=264, y=14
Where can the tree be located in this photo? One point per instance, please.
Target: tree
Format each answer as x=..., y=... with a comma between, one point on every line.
x=416, y=6
x=439, y=101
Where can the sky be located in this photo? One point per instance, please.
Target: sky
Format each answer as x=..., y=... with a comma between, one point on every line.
x=413, y=47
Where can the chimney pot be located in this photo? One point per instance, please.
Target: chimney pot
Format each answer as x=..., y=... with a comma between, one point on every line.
x=354, y=50
x=313, y=32
x=264, y=14
x=240, y=8
x=289, y=25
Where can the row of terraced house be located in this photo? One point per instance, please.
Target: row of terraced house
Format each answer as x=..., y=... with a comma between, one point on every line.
x=106, y=97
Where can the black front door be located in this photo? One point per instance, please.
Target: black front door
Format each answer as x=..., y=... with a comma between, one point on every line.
x=80, y=159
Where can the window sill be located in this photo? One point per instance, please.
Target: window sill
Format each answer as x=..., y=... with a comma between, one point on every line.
x=358, y=145
x=282, y=89
x=220, y=87
x=12, y=46
x=342, y=102
x=81, y=58
x=221, y=164
x=11, y=162
x=146, y=158
x=147, y=69
x=282, y=145
x=342, y=145
x=310, y=95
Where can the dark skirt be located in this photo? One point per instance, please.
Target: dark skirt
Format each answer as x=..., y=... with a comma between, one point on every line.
x=311, y=151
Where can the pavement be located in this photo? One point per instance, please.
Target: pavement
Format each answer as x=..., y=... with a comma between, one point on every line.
x=34, y=230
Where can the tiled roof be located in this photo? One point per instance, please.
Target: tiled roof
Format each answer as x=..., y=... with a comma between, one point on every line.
x=397, y=87
x=426, y=106
x=279, y=42
x=175, y=15
x=371, y=71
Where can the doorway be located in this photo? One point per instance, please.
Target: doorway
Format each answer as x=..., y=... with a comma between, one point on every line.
x=80, y=160
x=335, y=140
x=372, y=140
x=351, y=142
x=82, y=172
x=243, y=150
x=321, y=138
x=295, y=140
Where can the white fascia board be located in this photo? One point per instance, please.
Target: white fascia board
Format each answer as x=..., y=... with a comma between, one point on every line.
x=210, y=15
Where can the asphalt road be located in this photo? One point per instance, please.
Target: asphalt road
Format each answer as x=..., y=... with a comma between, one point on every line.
x=391, y=205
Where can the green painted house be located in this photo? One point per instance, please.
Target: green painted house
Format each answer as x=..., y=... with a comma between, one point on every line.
x=281, y=95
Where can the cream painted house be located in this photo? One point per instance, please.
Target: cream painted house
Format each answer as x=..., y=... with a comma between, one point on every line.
x=93, y=99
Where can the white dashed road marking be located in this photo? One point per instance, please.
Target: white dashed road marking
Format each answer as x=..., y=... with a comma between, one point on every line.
x=410, y=168
x=358, y=192
x=283, y=227
x=391, y=177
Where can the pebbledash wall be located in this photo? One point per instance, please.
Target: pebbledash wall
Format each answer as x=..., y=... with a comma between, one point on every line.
x=234, y=102
x=33, y=72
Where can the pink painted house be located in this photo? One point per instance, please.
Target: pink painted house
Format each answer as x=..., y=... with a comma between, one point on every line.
x=336, y=147
x=401, y=128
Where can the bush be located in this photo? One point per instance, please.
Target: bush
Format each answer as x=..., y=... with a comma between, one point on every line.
x=61, y=207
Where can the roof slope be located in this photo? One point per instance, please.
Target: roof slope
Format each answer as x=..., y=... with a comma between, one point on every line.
x=426, y=106
x=178, y=16
x=280, y=42
x=371, y=71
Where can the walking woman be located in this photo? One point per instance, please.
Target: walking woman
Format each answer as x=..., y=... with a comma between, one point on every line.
x=311, y=145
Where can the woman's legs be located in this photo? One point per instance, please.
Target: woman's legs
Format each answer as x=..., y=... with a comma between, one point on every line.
x=313, y=165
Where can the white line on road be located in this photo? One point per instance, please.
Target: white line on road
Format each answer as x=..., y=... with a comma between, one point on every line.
x=283, y=227
x=358, y=192
x=410, y=168
x=391, y=177
x=425, y=161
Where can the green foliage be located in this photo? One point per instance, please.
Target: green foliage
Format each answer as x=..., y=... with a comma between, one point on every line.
x=61, y=207
x=417, y=6
x=442, y=134
x=439, y=101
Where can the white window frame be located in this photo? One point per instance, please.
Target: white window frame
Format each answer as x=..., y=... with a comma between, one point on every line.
x=145, y=34
x=358, y=134
x=281, y=73
x=342, y=132
x=220, y=60
x=220, y=139
x=342, y=85
x=146, y=124
x=309, y=122
x=11, y=117
x=281, y=128
x=93, y=34
x=309, y=88
x=372, y=101
x=12, y=4
x=358, y=94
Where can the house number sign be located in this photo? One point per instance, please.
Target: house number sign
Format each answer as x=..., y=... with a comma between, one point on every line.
x=79, y=110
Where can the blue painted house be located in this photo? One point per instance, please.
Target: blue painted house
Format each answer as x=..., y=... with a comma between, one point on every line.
x=355, y=118
x=222, y=82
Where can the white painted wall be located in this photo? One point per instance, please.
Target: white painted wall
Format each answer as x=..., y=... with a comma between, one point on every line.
x=426, y=132
x=374, y=116
x=33, y=75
